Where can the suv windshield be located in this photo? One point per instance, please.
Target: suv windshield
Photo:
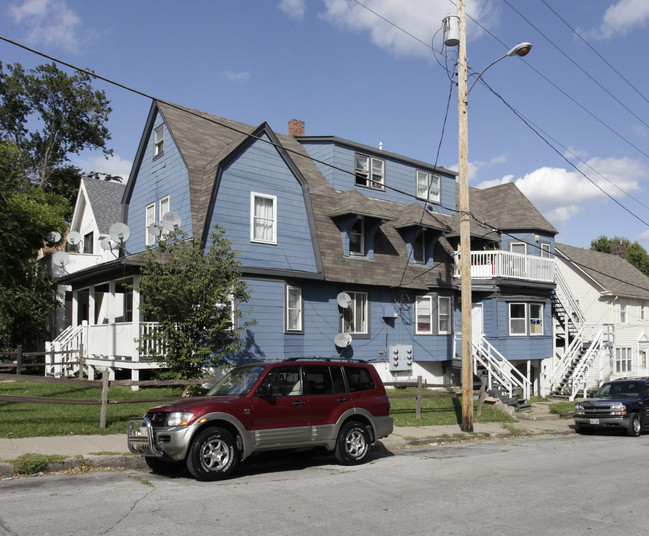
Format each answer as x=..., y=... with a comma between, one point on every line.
x=238, y=381
x=619, y=390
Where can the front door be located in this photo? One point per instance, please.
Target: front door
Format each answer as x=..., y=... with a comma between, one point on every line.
x=477, y=323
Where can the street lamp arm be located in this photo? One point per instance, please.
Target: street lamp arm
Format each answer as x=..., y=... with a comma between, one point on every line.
x=483, y=71
x=522, y=49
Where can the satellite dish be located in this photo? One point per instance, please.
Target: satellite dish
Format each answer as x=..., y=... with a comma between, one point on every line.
x=344, y=300
x=60, y=258
x=74, y=238
x=53, y=237
x=156, y=228
x=171, y=221
x=107, y=244
x=343, y=340
x=119, y=232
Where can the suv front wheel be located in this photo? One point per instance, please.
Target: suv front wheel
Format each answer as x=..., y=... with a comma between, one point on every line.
x=213, y=455
x=353, y=443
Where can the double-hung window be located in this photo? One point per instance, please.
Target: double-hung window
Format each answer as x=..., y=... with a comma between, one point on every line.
x=623, y=359
x=419, y=248
x=293, y=309
x=149, y=218
x=369, y=171
x=263, y=218
x=428, y=187
x=623, y=314
x=164, y=207
x=354, y=317
x=158, y=141
x=88, y=243
x=424, y=313
x=517, y=319
x=444, y=315
x=536, y=319
x=357, y=237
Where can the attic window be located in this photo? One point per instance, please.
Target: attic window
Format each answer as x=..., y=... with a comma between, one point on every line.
x=158, y=141
x=428, y=187
x=370, y=172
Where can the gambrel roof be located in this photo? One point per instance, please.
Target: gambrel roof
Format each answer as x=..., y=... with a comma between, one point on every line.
x=614, y=275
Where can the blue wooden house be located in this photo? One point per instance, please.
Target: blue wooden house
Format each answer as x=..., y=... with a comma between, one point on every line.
x=348, y=250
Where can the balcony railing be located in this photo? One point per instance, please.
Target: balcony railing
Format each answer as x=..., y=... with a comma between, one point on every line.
x=504, y=264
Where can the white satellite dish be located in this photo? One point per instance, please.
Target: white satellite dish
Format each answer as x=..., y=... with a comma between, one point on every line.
x=53, y=237
x=74, y=238
x=344, y=300
x=156, y=228
x=343, y=340
x=119, y=232
x=60, y=258
x=107, y=244
x=171, y=221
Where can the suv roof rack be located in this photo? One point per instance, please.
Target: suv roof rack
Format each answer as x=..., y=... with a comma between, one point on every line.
x=315, y=358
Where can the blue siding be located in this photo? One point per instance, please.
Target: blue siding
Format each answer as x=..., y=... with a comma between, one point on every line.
x=400, y=176
x=166, y=175
x=260, y=169
x=533, y=245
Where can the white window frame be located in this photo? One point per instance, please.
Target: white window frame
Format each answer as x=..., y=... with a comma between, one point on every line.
x=623, y=311
x=149, y=219
x=158, y=141
x=424, y=186
x=419, y=248
x=512, y=245
x=371, y=172
x=361, y=236
x=446, y=316
x=420, y=312
x=294, y=319
x=623, y=359
x=520, y=320
x=536, y=324
x=164, y=206
x=254, y=218
x=643, y=310
x=359, y=307
x=546, y=250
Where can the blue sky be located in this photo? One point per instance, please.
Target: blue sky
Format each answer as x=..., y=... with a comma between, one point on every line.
x=379, y=73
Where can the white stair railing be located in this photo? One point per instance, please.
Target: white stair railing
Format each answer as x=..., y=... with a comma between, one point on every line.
x=562, y=367
x=499, y=368
x=64, y=352
x=579, y=378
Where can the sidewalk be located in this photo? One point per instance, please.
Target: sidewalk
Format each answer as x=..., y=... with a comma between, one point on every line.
x=112, y=450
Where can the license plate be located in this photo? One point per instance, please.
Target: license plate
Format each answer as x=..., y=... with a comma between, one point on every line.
x=594, y=421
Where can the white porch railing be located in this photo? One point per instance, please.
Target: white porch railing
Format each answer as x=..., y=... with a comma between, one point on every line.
x=499, y=368
x=505, y=264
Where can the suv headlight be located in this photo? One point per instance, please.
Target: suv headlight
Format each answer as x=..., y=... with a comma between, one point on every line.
x=617, y=408
x=179, y=418
x=579, y=408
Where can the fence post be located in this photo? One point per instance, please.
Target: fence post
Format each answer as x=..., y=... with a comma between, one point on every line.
x=19, y=359
x=483, y=394
x=418, y=400
x=104, y=399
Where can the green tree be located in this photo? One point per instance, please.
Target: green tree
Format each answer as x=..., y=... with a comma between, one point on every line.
x=49, y=115
x=635, y=253
x=27, y=214
x=189, y=290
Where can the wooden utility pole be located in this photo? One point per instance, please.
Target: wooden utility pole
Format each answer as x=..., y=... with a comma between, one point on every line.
x=465, y=229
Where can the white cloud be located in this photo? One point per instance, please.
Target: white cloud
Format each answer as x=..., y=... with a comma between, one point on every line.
x=559, y=194
x=48, y=22
x=623, y=17
x=420, y=18
x=239, y=77
x=293, y=8
x=114, y=165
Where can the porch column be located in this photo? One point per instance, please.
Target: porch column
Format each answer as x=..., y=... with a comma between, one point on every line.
x=137, y=316
x=75, y=308
x=112, y=343
x=92, y=305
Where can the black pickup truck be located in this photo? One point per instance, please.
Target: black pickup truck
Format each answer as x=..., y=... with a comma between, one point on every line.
x=617, y=405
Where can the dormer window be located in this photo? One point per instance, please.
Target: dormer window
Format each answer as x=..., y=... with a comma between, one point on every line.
x=419, y=248
x=158, y=141
x=428, y=187
x=370, y=172
x=357, y=237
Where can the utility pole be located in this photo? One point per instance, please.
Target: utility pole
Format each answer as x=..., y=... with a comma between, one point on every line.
x=465, y=229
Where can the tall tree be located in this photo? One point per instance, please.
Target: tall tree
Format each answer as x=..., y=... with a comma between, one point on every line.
x=635, y=253
x=189, y=290
x=49, y=115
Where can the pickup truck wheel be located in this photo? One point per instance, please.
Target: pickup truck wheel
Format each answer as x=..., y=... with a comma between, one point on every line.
x=213, y=455
x=635, y=425
x=353, y=444
x=164, y=467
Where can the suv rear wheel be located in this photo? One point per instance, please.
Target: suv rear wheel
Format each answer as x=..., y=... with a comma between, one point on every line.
x=353, y=443
x=635, y=425
x=213, y=455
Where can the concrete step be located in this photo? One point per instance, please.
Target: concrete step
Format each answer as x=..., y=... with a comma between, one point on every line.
x=537, y=412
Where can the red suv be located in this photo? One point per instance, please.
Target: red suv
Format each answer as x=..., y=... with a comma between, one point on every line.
x=293, y=404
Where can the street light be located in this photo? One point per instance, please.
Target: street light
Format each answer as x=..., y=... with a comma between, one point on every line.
x=465, y=232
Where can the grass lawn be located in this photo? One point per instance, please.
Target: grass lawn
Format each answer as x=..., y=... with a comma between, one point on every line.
x=19, y=419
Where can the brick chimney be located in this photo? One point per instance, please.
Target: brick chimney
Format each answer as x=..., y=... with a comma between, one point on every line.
x=295, y=127
x=619, y=250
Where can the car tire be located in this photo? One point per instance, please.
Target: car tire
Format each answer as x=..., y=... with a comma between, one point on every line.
x=213, y=455
x=635, y=425
x=164, y=467
x=353, y=444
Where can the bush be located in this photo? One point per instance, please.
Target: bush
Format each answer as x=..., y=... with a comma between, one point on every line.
x=28, y=464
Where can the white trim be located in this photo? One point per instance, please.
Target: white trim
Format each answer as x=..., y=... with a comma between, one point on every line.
x=363, y=322
x=448, y=315
x=158, y=141
x=299, y=310
x=149, y=239
x=524, y=318
x=428, y=177
x=260, y=219
x=419, y=299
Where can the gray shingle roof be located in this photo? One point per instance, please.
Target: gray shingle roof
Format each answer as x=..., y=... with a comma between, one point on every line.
x=105, y=198
x=615, y=275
